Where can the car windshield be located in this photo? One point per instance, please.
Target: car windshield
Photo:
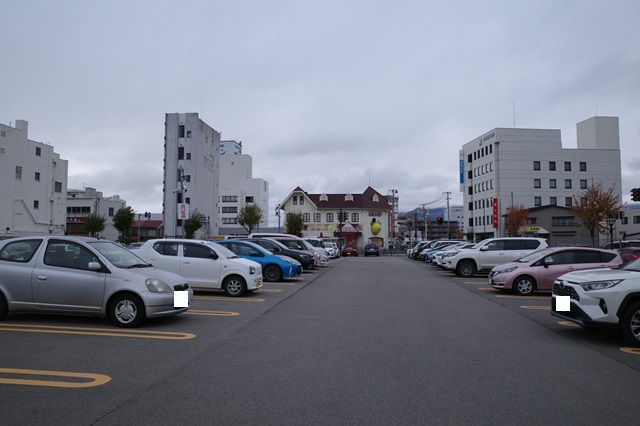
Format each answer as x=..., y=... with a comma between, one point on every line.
x=118, y=255
x=222, y=250
x=535, y=255
x=634, y=265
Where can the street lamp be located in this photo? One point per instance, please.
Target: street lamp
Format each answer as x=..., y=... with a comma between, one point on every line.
x=611, y=221
x=393, y=213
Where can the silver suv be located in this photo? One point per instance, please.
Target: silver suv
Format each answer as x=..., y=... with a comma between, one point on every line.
x=490, y=253
x=602, y=296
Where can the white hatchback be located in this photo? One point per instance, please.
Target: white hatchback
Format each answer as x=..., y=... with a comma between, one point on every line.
x=204, y=264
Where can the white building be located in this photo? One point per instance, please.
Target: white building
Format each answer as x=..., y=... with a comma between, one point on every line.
x=191, y=173
x=83, y=203
x=530, y=167
x=34, y=184
x=238, y=187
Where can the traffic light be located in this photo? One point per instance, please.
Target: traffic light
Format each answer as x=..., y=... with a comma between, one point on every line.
x=635, y=194
x=439, y=220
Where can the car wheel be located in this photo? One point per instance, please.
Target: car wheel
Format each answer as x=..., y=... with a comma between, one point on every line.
x=126, y=310
x=630, y=324
x=465, y=269
x=234, y=286
x=524, y=286
x=272, y=273
x=4, y=309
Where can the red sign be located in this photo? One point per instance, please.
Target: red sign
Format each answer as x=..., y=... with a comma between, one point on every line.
x=495, y=213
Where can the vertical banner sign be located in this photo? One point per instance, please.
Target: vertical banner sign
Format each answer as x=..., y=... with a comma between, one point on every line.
x=495, y=213
x=183, y=211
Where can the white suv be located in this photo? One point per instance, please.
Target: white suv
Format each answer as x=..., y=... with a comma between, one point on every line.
x=491, y=252
x=204, y=264
x=602, y=296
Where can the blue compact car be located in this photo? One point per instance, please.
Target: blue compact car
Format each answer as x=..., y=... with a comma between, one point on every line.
x=274, y=268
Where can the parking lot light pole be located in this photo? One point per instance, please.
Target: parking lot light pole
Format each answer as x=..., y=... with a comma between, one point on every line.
x=611, y=221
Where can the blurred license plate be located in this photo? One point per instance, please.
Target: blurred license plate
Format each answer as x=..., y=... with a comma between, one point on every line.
x=258, y=282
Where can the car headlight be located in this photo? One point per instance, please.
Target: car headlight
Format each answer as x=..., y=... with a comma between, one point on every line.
x=599, y=285
x=288, y=261
x=252, y=270
x=505, y=270
x=155, y=285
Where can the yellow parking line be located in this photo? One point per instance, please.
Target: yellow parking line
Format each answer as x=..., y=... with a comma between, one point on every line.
x=142, y=334
x=568, y=323
x=227, y=299
x=96, y=379
x=522, y=297
x=212, y=313
x=537, y=308
x=270, y=290
x=485, y=288
x=475, y=282
x=633, y=351
x=279, y=284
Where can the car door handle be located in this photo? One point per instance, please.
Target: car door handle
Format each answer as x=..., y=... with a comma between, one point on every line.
x=42, y=277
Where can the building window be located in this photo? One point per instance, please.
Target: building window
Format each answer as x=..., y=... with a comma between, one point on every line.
x=563, y=221
x=567, y=166
x=18, y=172
x=583, y=201
x=583, y=166
x=295, y=200
x=301, y=200
x=36, y=204
x=229, y=210
x=552, y=183
x=187, y=178
x=568, y=201
x=355, y=217
x=188, y=156
x=567, y=183
x=180, y=153
x=188, y=133
x=553, y=201
x=536, y=165
x=583, y=184
x=329, y=217
x=229, y=220
x=57, y=186
x=111, y=211
x=552, y=166
x=537, y=201
x=187, y=200
x=624, y=221
x=316, y=217
x=471, y=206
x=181, y=131
x=636, y=219
x=229, y=198
x=306, y=217
x=531, y=220
x=37, y=177
x=250, y=199
x=38, y=151
x=536, y=183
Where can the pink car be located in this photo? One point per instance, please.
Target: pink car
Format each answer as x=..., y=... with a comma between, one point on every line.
x=538, y=270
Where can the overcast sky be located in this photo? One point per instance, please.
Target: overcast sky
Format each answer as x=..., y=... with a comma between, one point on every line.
x=331, y=96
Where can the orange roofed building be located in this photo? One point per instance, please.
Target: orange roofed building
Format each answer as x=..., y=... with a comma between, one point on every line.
x=366, y=217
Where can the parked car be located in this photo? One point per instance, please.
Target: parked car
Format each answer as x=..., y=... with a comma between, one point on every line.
x=413, y=252
x=350, y=251
x=332, y=249
x=274, y=267
x=276, y=247
x=538, y=270
x=434, y=246
x=320, y=256
x=371, y=250
x=492, y=252
x=81, y=275
x=205, y=264
x=629, y=253
x=135, y=245
x=602, y=297
x=622, y=244
x=448, y=252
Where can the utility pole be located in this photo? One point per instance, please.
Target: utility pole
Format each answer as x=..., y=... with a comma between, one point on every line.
x=448, y=216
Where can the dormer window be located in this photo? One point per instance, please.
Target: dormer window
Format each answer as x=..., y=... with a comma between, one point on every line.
x=324, y=197
x=348, y=197
x=376, y=198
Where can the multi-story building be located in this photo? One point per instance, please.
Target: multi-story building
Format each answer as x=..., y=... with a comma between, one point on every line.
x=34, y=184
x=191, y=174
x=86, y=202
x=365, y=216
x=238, y=187
x=529, y=167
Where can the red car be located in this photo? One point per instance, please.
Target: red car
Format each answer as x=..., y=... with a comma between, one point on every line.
x=350, y=251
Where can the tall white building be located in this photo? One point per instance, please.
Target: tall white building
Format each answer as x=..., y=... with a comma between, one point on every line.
x=191, y=173
x=530, y=167
x=81, y=203
x=34, y=184
x=238, y=187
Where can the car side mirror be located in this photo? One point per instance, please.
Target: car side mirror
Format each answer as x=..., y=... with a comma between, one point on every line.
x=94, y=266
x=484, y=248
x=548, y=261
x=213, y=255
